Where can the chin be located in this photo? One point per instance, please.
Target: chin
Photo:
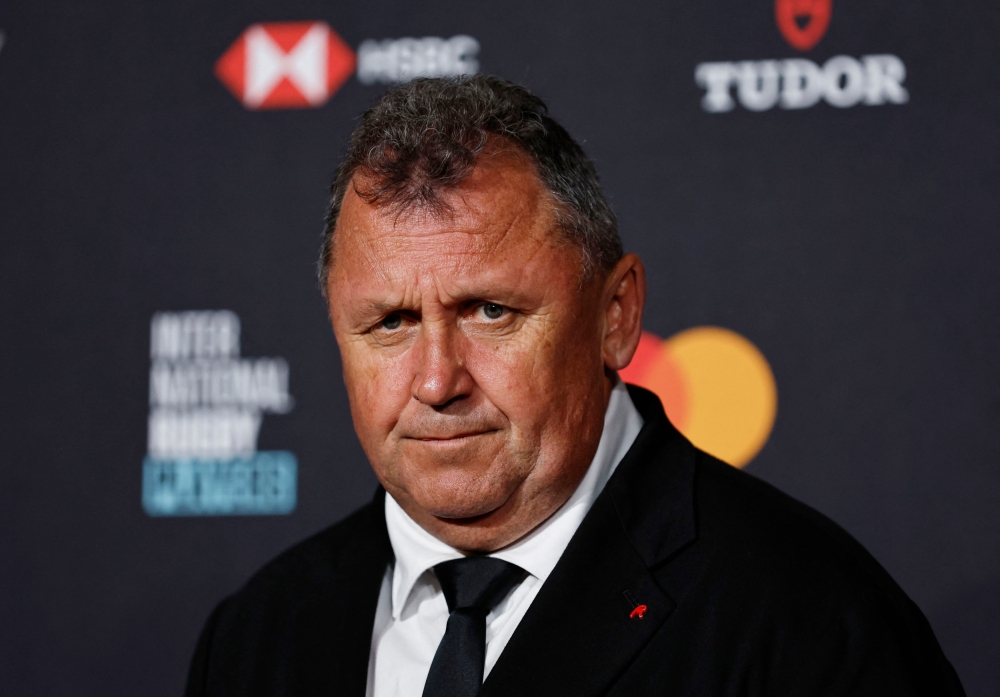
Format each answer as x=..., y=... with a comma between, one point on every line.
x=461, y=504
x=486, y=533
x=464, y=496
x=475, y=483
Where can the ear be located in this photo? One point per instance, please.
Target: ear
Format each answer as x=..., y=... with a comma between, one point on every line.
x=624, y=299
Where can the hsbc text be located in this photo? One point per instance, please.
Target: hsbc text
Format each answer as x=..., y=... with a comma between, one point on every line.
x=797, y=83
x=399, y=60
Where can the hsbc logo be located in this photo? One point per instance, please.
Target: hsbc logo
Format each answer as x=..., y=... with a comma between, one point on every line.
x=300, y=65
x=799, y=83
x=399, y=60
x=285, y=65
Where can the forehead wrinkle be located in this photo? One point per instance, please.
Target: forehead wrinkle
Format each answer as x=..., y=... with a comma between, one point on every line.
x=397, y=230
x=504, y=283
x=437, y=249
x=407, y=259
x=426, y=237
x=480, y=245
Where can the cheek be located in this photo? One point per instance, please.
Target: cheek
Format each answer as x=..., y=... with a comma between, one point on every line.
x=376, y=387
x=509, y=372
x=531, y=376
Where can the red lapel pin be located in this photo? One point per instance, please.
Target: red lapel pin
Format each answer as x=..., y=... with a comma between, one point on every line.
x=639, y=611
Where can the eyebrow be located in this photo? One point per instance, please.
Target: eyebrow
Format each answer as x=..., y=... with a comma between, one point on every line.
x=367, y=310
x=376, y=307
x=370, y=308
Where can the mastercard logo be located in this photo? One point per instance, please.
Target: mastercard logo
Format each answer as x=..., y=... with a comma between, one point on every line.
x=716, y=387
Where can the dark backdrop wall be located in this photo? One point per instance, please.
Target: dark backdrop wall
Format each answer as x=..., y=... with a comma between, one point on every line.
x=822, y=180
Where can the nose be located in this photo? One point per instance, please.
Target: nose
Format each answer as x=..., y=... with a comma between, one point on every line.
x=441, y=376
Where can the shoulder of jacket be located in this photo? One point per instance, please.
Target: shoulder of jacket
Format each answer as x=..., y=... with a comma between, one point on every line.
x=310, y=565
x=751, y=521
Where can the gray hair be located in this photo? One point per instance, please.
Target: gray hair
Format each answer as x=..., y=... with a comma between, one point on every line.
x=422, y=138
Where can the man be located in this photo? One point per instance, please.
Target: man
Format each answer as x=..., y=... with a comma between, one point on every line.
x=541, y=529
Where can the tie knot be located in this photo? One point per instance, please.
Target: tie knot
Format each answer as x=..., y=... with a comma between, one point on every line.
x=476, y=582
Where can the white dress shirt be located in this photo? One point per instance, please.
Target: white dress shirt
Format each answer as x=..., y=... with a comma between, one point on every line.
x=412, y=612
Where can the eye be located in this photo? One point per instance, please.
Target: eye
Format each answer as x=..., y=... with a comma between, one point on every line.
x=393, y=321
x=493, y=311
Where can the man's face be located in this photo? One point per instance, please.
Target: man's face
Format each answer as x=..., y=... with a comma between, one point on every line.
x=472, y=357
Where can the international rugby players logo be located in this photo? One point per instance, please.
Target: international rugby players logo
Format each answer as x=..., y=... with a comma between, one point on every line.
x=802, y=22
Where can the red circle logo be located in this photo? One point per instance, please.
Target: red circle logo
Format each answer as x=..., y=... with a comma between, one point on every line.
x=716, y=387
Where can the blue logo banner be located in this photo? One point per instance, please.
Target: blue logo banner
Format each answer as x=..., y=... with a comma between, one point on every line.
x=263, y=483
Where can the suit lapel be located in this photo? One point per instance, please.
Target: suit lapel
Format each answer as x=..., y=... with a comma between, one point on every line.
x=330, y=649
x=579, y=634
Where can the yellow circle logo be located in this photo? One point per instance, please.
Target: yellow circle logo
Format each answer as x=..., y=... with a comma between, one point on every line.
x=716, y=387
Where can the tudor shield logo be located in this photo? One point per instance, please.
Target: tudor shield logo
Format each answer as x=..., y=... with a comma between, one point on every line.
x=803, y=22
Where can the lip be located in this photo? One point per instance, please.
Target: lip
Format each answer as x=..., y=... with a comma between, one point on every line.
x=451, y=438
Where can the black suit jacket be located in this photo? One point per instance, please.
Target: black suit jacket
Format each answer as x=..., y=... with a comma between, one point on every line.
x=748, y=592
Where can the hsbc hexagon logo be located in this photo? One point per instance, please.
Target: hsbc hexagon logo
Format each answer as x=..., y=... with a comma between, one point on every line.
x=300, y=65
x=286, y=65
x=802, y=22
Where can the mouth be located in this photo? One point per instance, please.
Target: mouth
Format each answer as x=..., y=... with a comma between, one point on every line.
x=452, y=438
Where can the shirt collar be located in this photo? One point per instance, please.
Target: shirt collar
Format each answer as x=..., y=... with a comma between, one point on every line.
x=417, y=551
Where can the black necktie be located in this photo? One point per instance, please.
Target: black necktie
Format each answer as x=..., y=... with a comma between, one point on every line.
x=472, y=586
